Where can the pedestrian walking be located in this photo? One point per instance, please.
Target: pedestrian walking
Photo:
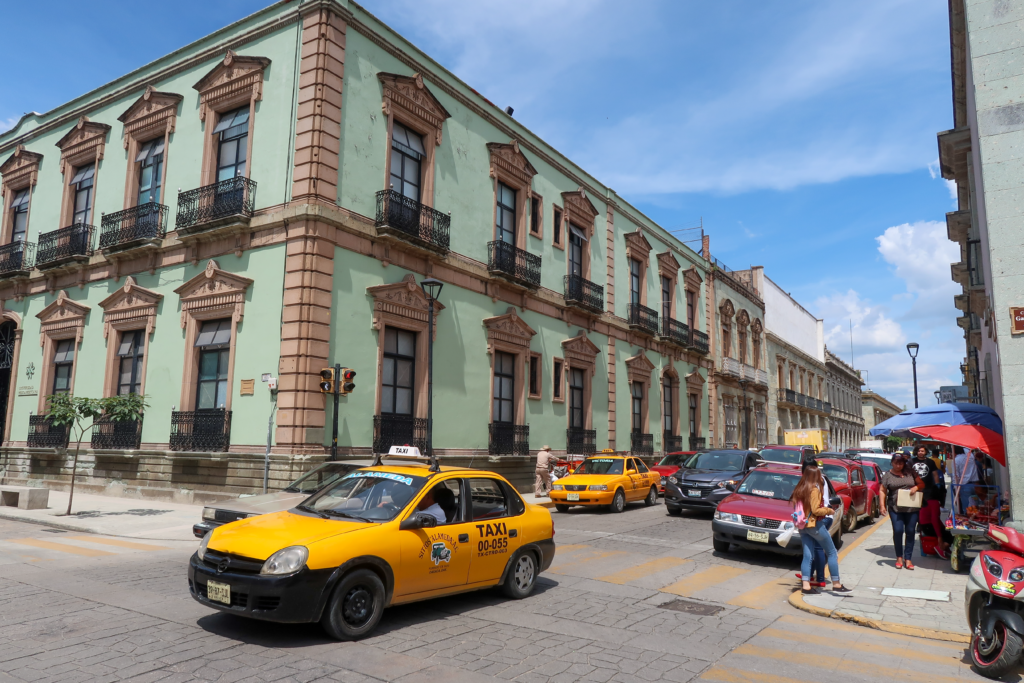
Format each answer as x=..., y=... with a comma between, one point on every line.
x=807, y=495
x=818, y=568
x=965, y=478
x=904, y=519
x=542, y=473
x=929, y=473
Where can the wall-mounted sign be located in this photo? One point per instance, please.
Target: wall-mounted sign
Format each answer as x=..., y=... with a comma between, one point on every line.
x=1016, y=320
x=248, y=387
x=27, y=391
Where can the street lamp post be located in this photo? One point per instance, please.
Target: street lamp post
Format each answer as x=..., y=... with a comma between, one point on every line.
x=432, y=289
x=912, y=349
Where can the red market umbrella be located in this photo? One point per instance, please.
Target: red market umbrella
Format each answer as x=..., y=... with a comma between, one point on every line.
x=968, y=436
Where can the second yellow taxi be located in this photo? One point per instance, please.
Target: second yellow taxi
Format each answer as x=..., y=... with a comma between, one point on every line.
x=606, y=480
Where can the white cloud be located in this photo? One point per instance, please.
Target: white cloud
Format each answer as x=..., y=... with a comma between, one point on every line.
x=7, y=124
x=873, y=329
x=934, y=172
x=920, y=254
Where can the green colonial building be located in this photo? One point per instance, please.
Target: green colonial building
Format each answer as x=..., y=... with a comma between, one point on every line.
x=263, y=204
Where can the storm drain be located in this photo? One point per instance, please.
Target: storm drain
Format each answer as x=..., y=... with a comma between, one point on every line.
x=692, y=607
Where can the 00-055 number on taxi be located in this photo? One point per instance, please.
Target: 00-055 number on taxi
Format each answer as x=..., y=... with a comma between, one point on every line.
x=377, y=537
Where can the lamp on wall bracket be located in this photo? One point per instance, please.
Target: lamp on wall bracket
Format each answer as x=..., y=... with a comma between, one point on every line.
x=431, y=289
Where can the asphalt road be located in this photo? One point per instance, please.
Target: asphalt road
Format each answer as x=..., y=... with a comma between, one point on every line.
x=639, y=596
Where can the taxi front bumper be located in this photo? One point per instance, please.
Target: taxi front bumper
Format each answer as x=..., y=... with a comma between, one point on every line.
x=584, y=497
x=292, y=599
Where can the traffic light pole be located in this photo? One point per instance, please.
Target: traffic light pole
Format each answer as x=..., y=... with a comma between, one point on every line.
x=334, y=435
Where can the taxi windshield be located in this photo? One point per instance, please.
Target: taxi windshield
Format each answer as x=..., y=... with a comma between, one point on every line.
x=717, y=460
x=319, y=478
x=837, y=474
x=786, y=455
x=600, y=466
x=365, y=496
x=769, y=485
x=674, y=460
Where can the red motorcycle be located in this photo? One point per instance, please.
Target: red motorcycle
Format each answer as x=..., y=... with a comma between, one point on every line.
x=994, y=601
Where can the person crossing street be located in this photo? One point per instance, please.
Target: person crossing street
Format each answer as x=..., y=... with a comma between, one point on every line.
x=542, y=473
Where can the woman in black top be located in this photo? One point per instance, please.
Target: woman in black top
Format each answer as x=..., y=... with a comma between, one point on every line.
x=931, y=522
x=904, y=519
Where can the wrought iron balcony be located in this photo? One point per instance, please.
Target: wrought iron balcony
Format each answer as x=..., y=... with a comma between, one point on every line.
x=513, y=263
x=641, y=444
x=206, y=207
x=697, y=443
x=787, y=396
x=826, y=408
x=584, y=293
x=580, y=441
x=673, y=442
x=675, y=332
x=16, y=258
x=390, y=430
x=73, y=243
x=203, y=431
x=42, y=433
x=125, y=435
x=508, y=439
x=698, y=342
x=132, y=227
x=412, y=221
x=642, y=318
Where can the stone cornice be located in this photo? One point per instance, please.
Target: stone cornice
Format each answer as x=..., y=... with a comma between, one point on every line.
x=809, y=360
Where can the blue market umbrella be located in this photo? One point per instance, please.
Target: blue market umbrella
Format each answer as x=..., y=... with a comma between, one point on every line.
x=961, y=424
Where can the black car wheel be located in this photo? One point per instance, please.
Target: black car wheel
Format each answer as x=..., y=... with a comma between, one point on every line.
x=561, y=508
x=874, y=509
x=720, y=546
x=673, y=511
x=652, y=497
x=849, y=520
x=355, y=607
x=618, y=502
x=521, y=577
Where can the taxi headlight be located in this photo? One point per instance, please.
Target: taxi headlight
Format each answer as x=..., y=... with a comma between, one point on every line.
x=597, y=487
x=786, y=526
x=209, y=513
x=201, y=553
x=673, y=480
x=286, y=561
x=728, y=517
x=557, y=487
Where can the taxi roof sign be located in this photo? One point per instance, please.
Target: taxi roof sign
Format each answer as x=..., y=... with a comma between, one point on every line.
x=406, y=452
x=411, y=451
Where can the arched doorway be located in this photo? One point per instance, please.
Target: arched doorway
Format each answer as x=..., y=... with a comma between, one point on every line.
x=7, y=336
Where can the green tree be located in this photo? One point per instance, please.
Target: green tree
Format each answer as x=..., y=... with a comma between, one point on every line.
x=892, y=443
x=82, y=413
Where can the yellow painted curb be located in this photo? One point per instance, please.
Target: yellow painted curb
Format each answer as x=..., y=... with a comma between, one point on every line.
x=797, y=600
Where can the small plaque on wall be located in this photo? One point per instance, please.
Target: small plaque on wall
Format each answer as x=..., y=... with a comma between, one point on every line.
x=248, y=387
x=27, y=391
x=1016, y=320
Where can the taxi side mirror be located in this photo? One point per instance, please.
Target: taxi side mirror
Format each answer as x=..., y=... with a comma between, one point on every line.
x=631, y=471
x=418, y=520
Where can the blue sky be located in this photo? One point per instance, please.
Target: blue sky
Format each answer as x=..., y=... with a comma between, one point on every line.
x=801, y=133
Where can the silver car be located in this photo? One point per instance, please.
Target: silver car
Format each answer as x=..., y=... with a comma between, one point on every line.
x=296, y=492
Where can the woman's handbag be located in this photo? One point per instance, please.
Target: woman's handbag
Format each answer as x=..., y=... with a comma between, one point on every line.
x=906, y=499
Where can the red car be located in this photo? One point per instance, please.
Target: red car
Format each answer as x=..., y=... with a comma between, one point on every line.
x=873, y=478
x=759, y=511
x=669, y=465
x=847, y=476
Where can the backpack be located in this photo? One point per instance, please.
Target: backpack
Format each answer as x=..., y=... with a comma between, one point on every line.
x=799, y=516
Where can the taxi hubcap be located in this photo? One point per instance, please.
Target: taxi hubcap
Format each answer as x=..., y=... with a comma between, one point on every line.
x=358, y=606
x=524, y=573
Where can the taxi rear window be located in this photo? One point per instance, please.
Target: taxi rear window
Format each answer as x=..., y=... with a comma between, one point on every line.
x=365, y=495
x=600, y=466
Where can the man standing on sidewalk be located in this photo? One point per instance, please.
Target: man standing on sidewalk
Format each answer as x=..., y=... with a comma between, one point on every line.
x=542, y=480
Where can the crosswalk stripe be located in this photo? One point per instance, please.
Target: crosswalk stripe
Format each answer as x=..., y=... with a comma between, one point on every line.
x=117, y=543
x=839, y=663
x=598, y=555
x=49, y=545
x=705, y=579
x=642, y=570
x=874, y=648
x=722, y=673
x=765, y=594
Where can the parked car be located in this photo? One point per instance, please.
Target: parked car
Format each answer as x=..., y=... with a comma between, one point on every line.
x=293, y=494
x=606, y=480
x=700, y=483
x=787, y=455
x=759, y=511
x=883, y=462
x=848, y=479
x=873, y=479
x=669, y=465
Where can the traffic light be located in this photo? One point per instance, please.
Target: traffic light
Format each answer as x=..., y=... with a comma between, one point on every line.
x=346, y=386
x=327, y=381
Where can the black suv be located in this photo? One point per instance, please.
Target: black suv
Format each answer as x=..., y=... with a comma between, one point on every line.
x=700, y=484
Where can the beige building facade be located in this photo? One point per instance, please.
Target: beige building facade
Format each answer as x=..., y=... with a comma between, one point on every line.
x=846, y=419
x=876, y=409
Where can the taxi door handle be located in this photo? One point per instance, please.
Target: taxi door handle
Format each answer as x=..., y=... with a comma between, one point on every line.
x=513, y=532
x=463, y=538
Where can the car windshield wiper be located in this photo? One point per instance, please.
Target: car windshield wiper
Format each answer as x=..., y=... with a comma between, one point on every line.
x=338, y=513
x=306, y=508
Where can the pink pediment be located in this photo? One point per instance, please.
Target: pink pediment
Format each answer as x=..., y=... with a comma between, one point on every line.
x=130, y=304
x=508, y=328
x=639, y=368
x=213, y=289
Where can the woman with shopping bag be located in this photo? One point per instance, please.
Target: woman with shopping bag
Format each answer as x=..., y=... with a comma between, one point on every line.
x=902, y=501
x=810, y=509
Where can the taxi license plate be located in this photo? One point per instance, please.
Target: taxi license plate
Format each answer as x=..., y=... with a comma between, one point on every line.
x=218, y=592
x=759, y=536
x=693, y=493
x=572, y=496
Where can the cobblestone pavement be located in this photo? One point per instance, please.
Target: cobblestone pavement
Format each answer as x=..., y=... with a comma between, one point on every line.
x=639, y=596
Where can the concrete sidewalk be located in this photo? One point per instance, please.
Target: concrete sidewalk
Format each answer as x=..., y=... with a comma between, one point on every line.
x=931, y=604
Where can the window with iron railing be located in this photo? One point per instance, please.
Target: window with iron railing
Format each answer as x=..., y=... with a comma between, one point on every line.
x=974, y=265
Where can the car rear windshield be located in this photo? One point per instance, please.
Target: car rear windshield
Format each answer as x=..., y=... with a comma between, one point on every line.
x=884, y=464
x=366, y=496
x=785, y=455
x=673, y=460
x=320, y=477
x=717, y=460
x=769, y=484
x=836, y=474
x=600, y=466
x=869, y=473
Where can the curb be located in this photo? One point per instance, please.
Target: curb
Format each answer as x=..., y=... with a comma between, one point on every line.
x=797, y=601
x=55, y=525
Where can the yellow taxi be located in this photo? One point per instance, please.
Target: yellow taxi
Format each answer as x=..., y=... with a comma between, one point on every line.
x=379, y=536
x=607, y=479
